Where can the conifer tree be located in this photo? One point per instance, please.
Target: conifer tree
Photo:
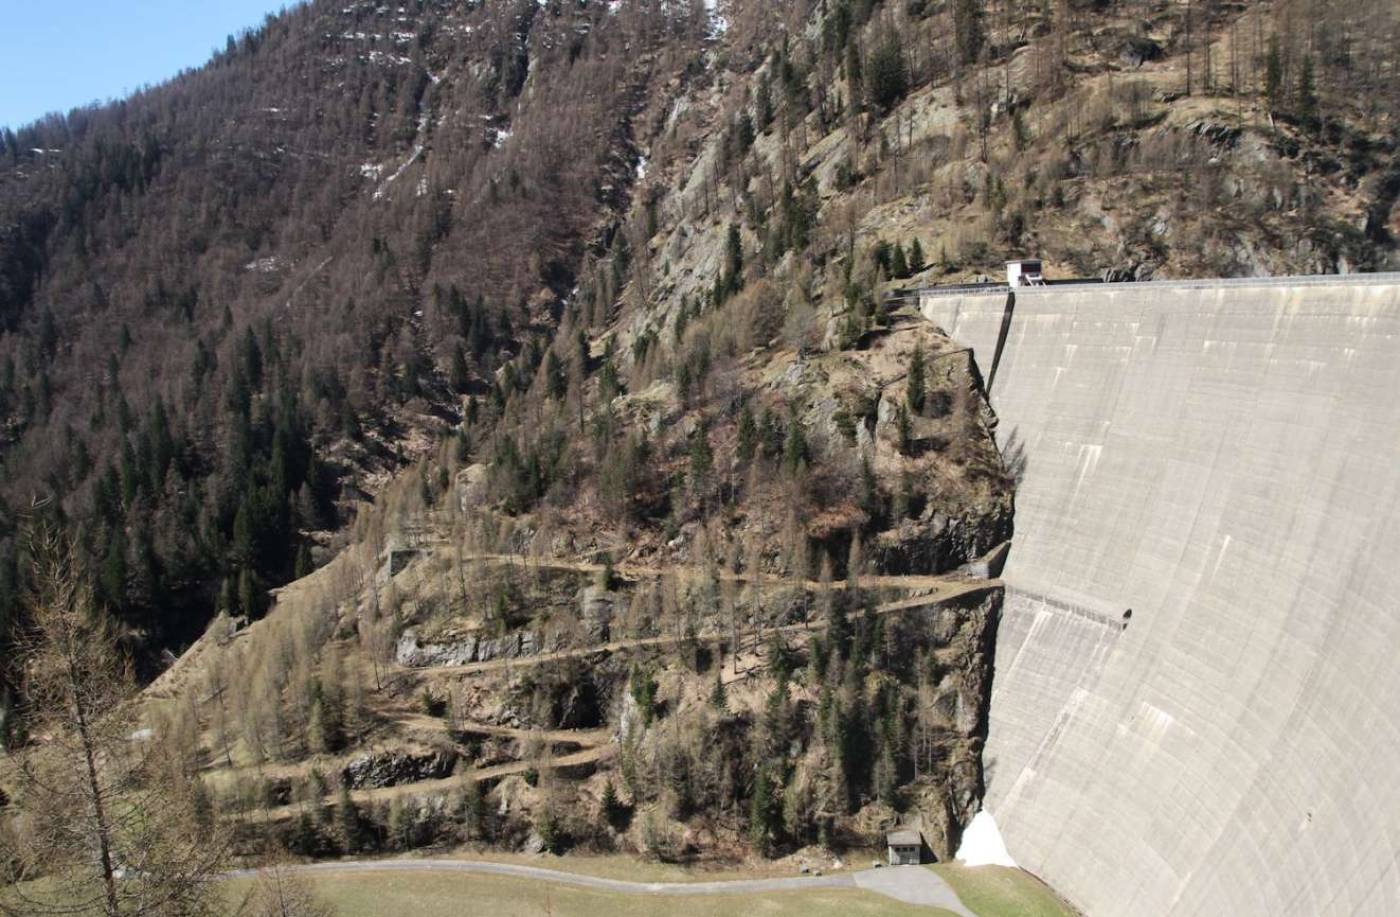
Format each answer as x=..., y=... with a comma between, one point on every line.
x=347, y=820
x=114, y=572
x=549, y=828
x=968, y=32
x=899, y=264
x=304, y=566
x=1307, y=94
x=251, y=358
x=854, y=76
x=744, y=133
x=457, y=375
x=761, y=820
x=701, y=462
x=748, y=437
x=763, y=102
x=249, y=593
x=916, y=257
x=473, y=809
x=1273, y=75
x=886, y=775
x=869, y=489
x=904, y=429
x=317, y=735
x=556, y=381
x=611, y=807
x=889, y=78
x=202, y=807
x=718, y=698
x=644, y=693
x=734, y=260
x=401, y=827
x=916, y=385
x=795, y=444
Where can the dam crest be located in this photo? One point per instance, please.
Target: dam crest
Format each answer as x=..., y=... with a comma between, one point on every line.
x=1196, y=705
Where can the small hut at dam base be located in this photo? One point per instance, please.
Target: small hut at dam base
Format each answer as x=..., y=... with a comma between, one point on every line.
x=906, y=847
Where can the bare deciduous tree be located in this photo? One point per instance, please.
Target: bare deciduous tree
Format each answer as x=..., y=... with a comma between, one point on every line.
x=282, y=892
x=104, y=821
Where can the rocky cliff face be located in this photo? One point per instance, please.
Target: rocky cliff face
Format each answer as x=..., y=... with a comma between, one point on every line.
x=959, y=702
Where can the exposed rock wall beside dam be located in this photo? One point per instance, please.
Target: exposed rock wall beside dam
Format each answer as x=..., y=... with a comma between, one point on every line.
x=1222, y=459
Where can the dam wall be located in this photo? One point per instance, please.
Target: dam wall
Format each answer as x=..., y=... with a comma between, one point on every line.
x=1196, y=701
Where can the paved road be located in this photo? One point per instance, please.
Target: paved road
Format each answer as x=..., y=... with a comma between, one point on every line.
x=910, y=884
x=913, y=885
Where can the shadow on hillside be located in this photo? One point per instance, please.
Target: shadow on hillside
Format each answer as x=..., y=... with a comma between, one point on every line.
x=1013, y=457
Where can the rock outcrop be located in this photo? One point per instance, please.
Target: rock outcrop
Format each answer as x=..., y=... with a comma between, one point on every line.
x=374, y=771
x=465, y=650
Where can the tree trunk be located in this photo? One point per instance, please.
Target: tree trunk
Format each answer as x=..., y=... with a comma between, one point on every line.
x=101, y=827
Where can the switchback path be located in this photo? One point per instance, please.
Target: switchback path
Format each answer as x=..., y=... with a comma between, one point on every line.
x=580, y=738
x=589, y=753
x=909, y=884
x=371, y=795
x=634, y=572
x=584, y=738
x=939, y=590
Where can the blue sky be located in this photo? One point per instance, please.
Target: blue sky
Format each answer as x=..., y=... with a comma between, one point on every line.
x=59, y=54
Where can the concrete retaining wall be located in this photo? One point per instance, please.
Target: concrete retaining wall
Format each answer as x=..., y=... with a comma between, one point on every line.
x=1224, y=460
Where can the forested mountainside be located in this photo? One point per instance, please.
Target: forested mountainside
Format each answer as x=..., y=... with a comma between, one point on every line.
x=606, y=281
x=227, y=297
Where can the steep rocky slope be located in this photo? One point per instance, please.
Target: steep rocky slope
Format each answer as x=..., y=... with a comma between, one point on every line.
x=566, y=657
x=608, y=282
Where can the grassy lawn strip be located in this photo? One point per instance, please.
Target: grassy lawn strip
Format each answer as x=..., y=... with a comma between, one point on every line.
x=427, y=895
x=997, y=891
x=631, y=869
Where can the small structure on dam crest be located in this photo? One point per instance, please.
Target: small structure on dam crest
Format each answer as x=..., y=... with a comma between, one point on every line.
x=1024, y=273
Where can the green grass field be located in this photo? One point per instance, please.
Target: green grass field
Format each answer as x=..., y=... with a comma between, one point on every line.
x=995, y=891
x=632, y=869
x=989, y=891
x=423, y=895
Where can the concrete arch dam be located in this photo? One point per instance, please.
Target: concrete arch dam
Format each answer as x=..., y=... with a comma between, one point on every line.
x=1222, y=460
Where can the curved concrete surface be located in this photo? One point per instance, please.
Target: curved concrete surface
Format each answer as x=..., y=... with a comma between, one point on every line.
x=909, y=884
x=1224, y=460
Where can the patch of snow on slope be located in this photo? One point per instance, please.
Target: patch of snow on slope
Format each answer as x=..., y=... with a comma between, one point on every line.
x=718, y=24
x=384, y=187
x=268, y=265
x=982, y=844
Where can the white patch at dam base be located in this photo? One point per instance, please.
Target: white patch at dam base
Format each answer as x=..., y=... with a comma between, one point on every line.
x=982, y=844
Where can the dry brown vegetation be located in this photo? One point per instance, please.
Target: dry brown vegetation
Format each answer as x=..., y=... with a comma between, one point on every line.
x=612, y=352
